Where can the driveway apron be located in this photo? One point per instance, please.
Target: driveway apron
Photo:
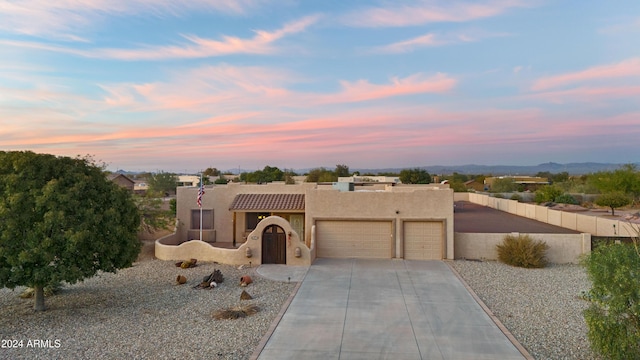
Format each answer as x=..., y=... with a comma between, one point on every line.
x=385, y=309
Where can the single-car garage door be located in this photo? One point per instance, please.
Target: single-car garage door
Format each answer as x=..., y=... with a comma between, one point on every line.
x=354, y=239
x=423, y=240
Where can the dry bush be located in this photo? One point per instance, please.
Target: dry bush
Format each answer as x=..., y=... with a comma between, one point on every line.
x=235, y=312
x=522, y=251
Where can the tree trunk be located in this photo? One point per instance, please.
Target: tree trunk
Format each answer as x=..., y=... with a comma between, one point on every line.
x=613, y=211
x=38, y=296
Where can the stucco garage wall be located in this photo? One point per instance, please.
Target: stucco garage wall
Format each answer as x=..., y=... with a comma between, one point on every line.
x=395, y=206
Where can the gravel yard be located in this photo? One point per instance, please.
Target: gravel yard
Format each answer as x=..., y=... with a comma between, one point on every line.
x=540, y=307
x=140, y=313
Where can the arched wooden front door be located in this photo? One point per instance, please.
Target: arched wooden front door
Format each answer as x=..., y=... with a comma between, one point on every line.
x=274, y=245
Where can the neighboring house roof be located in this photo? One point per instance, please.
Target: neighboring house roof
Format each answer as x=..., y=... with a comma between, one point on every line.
x=245, y=202
x=117, y=176
x=121, y=180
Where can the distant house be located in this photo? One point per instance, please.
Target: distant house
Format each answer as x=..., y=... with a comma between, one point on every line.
x=527, y=182
x=122, y=180
x=140, y=187
x=474, y=185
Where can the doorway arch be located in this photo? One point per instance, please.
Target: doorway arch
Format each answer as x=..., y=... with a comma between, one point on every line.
x=274, y=245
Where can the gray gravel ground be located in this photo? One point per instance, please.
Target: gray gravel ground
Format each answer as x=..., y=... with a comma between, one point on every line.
x=140, y=313
x=542, y=308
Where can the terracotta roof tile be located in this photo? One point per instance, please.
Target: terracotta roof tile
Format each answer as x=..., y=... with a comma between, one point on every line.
x=268, y=202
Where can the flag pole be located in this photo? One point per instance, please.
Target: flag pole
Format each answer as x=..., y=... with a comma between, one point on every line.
x=201, y=191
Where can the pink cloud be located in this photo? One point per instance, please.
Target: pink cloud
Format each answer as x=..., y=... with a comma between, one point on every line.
x=588, y=94
x=196, y=47
x=380, y=132
x=363, y=90
x=228, y=89
x=419, y=13
x=261, y=43
x=630, y=67
x=431, y=40
x=67, y=19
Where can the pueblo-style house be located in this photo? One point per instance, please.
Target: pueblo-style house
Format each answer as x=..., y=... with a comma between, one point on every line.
x=294, y=224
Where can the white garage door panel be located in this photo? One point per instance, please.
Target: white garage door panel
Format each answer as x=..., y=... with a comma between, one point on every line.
x=354, y=239
x=423, y=240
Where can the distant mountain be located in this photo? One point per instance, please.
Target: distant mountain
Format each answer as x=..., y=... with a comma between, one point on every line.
x=471, y=169
x=554, y=168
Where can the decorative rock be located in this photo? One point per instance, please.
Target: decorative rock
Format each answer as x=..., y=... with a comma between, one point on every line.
x=187, y=263
x=245, y=296
x=181, y=279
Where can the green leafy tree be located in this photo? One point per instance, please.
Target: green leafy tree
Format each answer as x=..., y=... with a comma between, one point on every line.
x=554, y=178
x=288, y=177
x=342, y=171
x=266, y=175
x=613, y=318
x=415, y=176
x=321, y=175
x=566, y=199
x=456, y=177
x=61, y=220
x=222, y=180
x=458, y=186
x=163, y=183
x=153, y=214
x=613, y=200
x=505, y=184
x=625, y=179
x=547, y=193
x=211, y=172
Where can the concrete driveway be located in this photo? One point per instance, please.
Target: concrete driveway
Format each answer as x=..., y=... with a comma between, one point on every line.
x=385, y=309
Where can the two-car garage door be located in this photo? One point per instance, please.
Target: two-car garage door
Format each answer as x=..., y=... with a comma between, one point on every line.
x=354, y=239
x=423, y=240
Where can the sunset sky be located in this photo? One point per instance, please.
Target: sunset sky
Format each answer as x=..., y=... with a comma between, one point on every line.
x=184, y=85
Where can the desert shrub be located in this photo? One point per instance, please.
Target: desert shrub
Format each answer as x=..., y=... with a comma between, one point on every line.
x=522, y=251
x=547, y=193
x=613, y=200
x=516, y=197
x=566, y=199
x=236, y=312
x=498, y=196
x=613, y=318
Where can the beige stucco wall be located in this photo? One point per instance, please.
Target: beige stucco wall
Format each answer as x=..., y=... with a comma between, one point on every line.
x=219, y=198
x=250, y=252
x=596, y=226
x=407, y=203
x=563, y=248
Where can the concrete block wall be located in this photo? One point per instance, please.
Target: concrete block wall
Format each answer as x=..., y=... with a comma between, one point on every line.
x=596, y=226
x=563, y=248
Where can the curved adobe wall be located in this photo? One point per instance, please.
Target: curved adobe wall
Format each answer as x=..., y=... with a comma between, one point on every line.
x=297, y=252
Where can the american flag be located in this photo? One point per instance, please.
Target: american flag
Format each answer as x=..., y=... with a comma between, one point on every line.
x=200, y=193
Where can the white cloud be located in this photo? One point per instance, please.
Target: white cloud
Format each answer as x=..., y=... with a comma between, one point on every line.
x=433, y=39
x=69, y=19
x=195, y=47
x=425, y=12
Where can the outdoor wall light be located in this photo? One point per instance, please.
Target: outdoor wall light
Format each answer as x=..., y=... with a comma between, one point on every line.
x=248, y=253
x=298, y=252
